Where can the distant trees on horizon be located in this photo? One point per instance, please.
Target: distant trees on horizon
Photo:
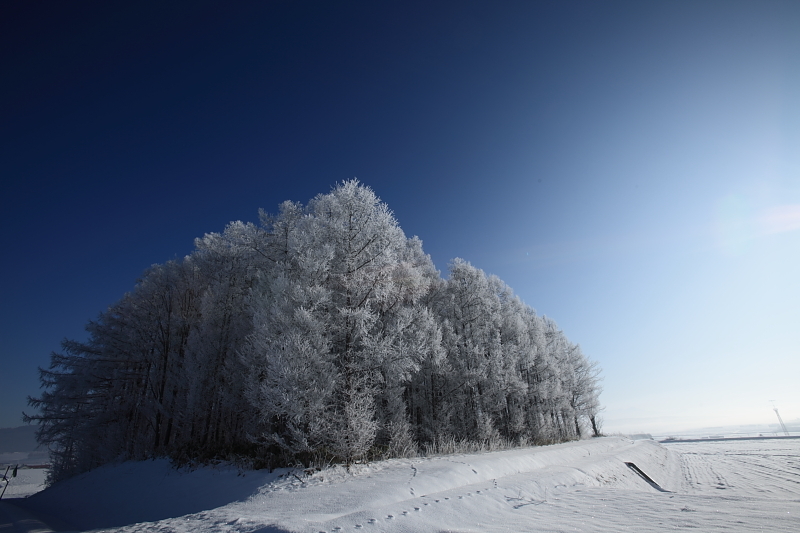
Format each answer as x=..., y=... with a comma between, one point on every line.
x=322, y=333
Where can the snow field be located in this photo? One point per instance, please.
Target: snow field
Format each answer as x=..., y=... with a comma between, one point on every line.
x=768, y=468
x=578, y=486
x=28, y=481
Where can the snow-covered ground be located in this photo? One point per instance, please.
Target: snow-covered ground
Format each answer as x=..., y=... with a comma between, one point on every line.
x=28, y=481
x=579, y=486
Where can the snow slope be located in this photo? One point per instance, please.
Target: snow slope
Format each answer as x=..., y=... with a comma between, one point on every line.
x=579, y=486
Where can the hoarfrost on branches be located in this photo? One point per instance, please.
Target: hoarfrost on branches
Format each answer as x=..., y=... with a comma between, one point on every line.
x=322, y=334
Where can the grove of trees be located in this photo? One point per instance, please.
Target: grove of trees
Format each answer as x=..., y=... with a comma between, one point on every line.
x=322, y=333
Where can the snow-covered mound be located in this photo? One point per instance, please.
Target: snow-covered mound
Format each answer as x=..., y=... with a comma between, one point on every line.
x=149, y=491
x=585, y=485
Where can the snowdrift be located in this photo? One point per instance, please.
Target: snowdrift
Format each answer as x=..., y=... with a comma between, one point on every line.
x=152, y=491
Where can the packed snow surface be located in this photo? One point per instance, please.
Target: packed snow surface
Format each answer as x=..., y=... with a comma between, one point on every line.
x=579, y=486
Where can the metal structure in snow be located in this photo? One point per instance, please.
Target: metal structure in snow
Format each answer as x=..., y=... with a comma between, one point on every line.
x=6, y=478
x=783, y=426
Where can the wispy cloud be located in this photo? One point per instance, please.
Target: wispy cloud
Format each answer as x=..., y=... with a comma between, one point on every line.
x=739, y=223
x=735, y=228
x=780, y=219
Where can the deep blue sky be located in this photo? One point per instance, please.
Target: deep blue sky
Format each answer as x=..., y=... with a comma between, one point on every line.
x=631, y=169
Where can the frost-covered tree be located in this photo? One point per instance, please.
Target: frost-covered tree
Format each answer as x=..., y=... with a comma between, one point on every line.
x=323, y=332
x=341, y=310
x=217, y=412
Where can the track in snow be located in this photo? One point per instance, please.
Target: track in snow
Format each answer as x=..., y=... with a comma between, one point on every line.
x=765, y=468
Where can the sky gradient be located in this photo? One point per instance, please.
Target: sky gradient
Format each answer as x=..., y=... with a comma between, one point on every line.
x=630, y=169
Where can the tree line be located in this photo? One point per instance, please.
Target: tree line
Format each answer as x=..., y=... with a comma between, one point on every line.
x=321, y=333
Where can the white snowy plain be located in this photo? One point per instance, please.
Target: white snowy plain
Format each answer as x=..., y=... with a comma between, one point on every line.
x=28, y=481
x=748, y=485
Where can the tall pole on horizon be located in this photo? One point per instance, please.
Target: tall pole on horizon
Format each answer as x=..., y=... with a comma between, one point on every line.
x=783, y=426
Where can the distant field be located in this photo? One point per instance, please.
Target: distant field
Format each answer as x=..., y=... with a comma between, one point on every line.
x=28, y=481
x=18, y=446
x=752, y=468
